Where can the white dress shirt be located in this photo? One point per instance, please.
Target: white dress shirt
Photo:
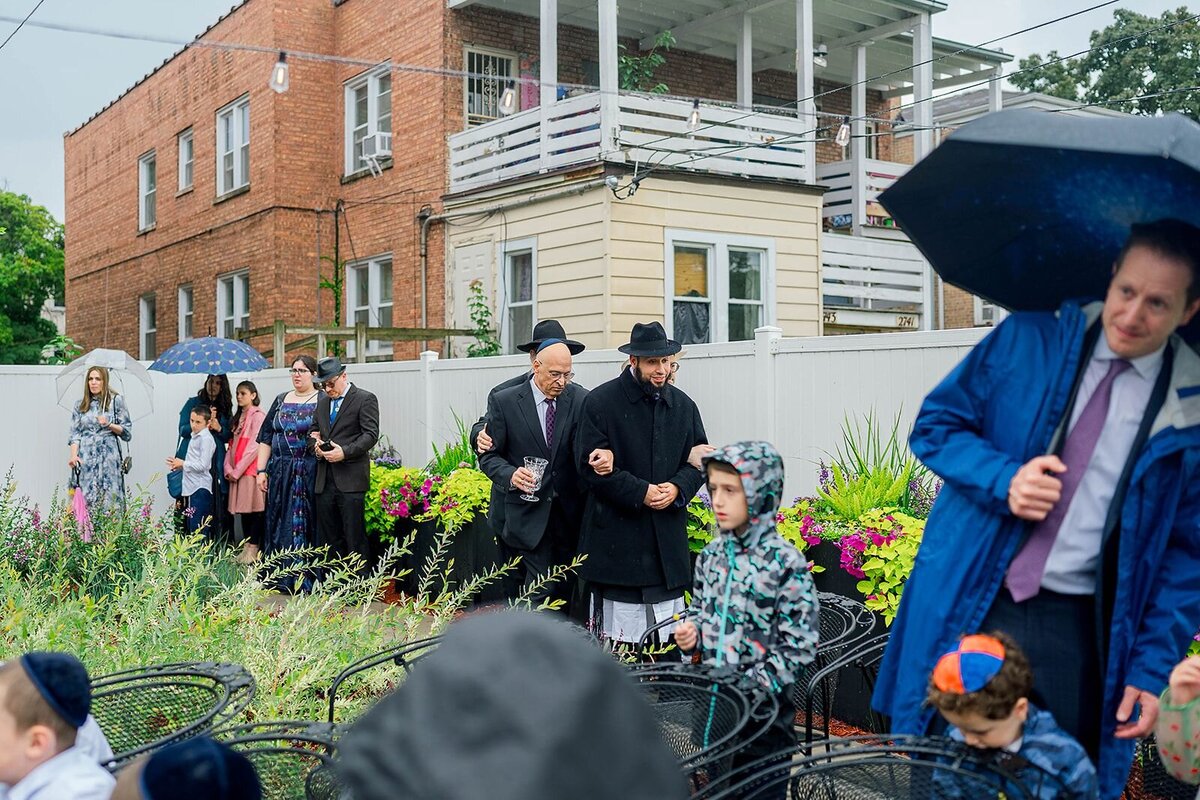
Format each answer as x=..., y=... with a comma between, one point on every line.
x=70, y=775
x=1075, y=555
x=197, y=467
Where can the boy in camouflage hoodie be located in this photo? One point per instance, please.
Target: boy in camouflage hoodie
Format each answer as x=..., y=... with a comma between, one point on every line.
x=753, y=605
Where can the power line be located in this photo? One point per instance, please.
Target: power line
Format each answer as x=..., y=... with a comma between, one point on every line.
x=1182, y=90
x=8, y=38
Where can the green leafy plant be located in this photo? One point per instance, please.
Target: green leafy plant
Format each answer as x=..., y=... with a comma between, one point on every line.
x=871, y=470
x=336, y=286
x=486, y=343
x=701, y=523
x=460, y=497
x=393, y=493
x=887, y=560
x=60, y=350
x=455, y=454
x=636, y=73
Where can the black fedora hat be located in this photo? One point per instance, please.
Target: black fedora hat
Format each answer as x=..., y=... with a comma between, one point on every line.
x=648, y=340
x=328, y=368
x=550, y=329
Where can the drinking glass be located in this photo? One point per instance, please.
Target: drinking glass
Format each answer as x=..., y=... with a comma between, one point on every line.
x=538, y=467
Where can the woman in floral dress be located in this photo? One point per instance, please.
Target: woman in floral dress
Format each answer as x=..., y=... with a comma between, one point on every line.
x=100, y=419
x=286, y=464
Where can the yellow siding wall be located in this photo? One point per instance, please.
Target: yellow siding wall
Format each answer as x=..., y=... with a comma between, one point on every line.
x=790, y=217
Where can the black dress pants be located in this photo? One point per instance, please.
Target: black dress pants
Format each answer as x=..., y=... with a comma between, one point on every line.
x=1058, y=634
x=341, y=526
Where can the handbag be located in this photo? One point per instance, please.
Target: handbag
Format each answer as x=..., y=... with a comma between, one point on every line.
x=126, y=459
x=175, y=477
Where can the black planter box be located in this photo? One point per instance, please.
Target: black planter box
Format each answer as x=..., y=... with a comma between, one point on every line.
x=473, y=550
x=852, y=702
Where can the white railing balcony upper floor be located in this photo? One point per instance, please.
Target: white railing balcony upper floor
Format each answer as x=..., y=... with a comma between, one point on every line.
x=842, y=179
x=646, y=130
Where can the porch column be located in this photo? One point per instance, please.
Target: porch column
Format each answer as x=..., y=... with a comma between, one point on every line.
x=745, y=63
x=996, y=90
x=609, y=102
x=805, y=106
x=858, y=144
x=548, y=71
x=922, y=87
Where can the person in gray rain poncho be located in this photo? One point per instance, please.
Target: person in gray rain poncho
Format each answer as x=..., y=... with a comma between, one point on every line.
x=511, y=706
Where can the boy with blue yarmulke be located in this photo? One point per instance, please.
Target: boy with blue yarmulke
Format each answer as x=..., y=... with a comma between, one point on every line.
x=44, y=699
x=198, y=769
x=982, y=688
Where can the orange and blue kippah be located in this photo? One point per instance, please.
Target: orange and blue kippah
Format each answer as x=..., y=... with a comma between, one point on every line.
x=969, y=666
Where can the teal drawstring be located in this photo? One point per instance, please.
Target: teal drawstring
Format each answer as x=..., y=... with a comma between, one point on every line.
x=712, y=705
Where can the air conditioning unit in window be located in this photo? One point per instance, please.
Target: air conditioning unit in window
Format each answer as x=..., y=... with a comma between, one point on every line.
x=989, y=314
x=376, y=146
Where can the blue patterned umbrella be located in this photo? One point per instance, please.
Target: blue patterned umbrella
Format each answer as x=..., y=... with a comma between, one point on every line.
x=209, y=356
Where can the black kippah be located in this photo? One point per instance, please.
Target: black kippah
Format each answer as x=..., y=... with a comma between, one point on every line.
x=62, y=681
x=199, y=769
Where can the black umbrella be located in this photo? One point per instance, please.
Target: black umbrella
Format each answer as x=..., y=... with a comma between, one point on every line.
x=1029, y=208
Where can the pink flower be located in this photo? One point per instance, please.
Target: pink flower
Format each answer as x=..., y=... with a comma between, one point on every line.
x=402, y=507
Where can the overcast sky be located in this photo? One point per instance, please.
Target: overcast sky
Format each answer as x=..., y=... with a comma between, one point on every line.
x=51, y=81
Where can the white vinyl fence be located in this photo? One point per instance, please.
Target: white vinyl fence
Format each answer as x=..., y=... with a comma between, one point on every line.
x=793, y=392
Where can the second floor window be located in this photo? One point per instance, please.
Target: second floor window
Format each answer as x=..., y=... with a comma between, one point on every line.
x=186, y=159
x=233, y=302
x=369, y=299
x=187, y=305
x=147, y=191
x=491, y=71
x=368, y=112
x=233, y=146
x=147, y=328
x=718, y=286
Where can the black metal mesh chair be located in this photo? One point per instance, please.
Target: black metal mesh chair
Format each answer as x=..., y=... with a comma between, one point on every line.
x=874, y=768
x=1149, y=780
x=704, y=715
x=817, y=690
x=350, y=680
x=845, y=625
x=286, y=755
x=141, y=710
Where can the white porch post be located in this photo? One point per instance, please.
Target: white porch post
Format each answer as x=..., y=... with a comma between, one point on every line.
x=996, y=90
x=858, y=144
x=745, y=63
x=609, y=102
x=548, y=71
x=805, y=106
x=922, y=34
x=922, y=87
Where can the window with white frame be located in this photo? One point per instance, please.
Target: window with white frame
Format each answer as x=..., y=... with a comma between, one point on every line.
x=369, y=299
x=147, y=328
x=490, y=73
x=233, y=146
x=187, y=305
x=233, y=302
x=147, y=191
x=186, y=160
x=368, y=113
x=518, y=292
x=988, y=314
x=718, y=286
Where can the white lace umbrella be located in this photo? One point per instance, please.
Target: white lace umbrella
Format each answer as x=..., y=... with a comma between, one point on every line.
x=125, y=375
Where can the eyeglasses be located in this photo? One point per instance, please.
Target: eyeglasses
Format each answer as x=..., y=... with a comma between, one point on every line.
x=556, y=376
x=300, y=371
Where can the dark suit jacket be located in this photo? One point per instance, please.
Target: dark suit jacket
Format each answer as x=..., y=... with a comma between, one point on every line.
x=628, y=544
x=496, y=507
x=516, y=432
x=357, y=431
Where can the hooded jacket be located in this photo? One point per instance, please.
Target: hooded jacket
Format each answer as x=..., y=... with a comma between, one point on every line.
x=997, y=409
x=512, y=706
x=754, y=600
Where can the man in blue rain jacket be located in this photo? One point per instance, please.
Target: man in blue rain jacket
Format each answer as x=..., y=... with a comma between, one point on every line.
x=1117, y=598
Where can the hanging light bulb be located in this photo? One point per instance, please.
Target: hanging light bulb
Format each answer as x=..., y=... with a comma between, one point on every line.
x=820, y=55
x=694, y=117
x=508, y=100
x=279, y=74
x=843, y=135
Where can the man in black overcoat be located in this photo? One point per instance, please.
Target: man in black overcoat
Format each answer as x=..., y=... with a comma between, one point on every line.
x=538, y=418
x=347, y=420
x=635, y=520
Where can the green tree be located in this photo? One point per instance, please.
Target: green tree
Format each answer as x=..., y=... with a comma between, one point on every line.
x=1137, y=56
x=31, y=270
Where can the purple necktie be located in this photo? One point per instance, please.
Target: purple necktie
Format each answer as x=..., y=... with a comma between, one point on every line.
x=1024, y=578
x=549, y=423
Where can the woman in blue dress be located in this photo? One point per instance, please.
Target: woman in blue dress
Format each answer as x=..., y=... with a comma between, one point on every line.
x=97, y=423
x=286, y=464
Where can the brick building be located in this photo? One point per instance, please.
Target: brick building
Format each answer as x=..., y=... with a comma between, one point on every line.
x=201, y=201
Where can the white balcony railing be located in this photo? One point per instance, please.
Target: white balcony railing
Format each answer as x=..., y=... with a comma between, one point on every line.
x=873, y=283
x=648, y=130
x=876, y=176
